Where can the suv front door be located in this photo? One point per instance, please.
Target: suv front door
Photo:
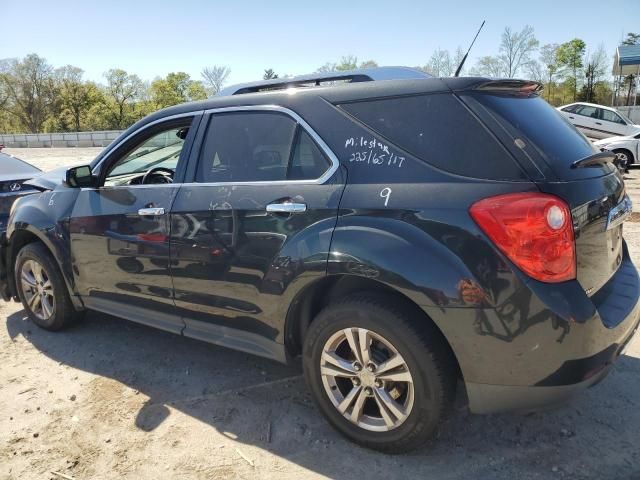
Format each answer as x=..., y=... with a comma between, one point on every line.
x=120, y=231
x=253, y=227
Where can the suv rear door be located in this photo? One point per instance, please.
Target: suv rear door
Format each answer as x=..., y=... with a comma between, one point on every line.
x=252, y=226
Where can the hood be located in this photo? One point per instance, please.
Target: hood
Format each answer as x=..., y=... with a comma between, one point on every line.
x=49, y=180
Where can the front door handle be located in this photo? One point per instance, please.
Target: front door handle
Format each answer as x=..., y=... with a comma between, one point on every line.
x=151, y=212
x=287, y=207
x=571, y=117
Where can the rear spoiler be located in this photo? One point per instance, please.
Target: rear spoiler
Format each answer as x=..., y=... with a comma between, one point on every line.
x=511, y=86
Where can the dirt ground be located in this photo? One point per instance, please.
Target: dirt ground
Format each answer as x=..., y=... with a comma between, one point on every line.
x=111, y=399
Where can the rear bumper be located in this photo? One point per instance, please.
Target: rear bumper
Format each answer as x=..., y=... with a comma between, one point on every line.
x=502, y=398
x=589, y=348
x=485, y=398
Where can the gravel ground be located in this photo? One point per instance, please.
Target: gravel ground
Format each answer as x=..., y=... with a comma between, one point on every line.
x=112, y=399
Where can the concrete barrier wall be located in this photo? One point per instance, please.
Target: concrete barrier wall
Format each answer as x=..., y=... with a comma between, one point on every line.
x=67, y=139
x=632, y=112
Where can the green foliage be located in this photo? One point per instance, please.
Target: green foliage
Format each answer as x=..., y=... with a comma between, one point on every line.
x=176, y=88
x=269, y=74
x=632, y=39
x=347, y=62
x=570, y=56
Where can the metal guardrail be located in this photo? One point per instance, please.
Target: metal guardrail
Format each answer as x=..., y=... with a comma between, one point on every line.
x=67, y=139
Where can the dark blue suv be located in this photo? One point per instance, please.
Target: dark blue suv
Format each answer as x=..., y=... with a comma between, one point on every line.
x=398, y=235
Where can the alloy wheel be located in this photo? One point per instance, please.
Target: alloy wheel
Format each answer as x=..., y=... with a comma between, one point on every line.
x=367, y=379
x=37, y=289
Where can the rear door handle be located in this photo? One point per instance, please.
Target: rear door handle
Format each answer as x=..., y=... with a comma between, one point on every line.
x=287, y=207
x=149, y=212
x=598, y=123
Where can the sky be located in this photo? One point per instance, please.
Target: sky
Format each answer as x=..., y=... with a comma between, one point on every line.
x=154, y=37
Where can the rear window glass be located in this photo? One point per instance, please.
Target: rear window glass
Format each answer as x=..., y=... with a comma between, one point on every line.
x=538, y=128
x=440, y=130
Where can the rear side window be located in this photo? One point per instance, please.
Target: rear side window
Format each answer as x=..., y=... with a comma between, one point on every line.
x=538, y=129
x=440, y=130
x=610, y=116
x=258, y=147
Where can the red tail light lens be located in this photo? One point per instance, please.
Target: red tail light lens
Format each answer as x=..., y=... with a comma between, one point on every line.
x=534, y=230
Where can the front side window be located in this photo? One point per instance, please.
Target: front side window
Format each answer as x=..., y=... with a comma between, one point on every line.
x=570, y=108
x=159, y=152
x=610, y=116
x=258, y=147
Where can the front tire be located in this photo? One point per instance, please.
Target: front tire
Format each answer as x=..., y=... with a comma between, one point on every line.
x=42, y=289
x=624, y=159
x=381, y=375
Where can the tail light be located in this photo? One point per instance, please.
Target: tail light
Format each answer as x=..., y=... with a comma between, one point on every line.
x=534, y=230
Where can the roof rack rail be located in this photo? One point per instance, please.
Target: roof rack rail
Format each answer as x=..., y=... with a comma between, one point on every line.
x=317, y=79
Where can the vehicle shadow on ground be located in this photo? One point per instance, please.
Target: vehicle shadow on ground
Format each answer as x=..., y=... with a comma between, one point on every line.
x=266, y=405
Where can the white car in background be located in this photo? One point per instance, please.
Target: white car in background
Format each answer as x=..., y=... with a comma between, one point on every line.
x=627, y=149
x=598, y=121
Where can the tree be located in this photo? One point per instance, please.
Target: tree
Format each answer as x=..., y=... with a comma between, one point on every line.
x=549, y=60
x=597, y=64
x=75, y=96
x=121, y=92
x=490, y=67
x=535, y=71
x=269, y=74
x=439, y=64
x=347, y=62
x=570, y=56
x=632, y=39
x=28, y=90
x=516, y=49
x=368, y=64
x=176, y=88
x=214, y=78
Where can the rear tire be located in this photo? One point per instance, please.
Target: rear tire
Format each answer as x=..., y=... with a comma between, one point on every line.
x=389, y=408
x=42, y=290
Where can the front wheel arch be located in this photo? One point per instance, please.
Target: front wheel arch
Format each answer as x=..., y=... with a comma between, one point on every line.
x=19, y=239
x=631, y=158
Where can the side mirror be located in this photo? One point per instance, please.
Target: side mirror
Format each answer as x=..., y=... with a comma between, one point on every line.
x=78, y=177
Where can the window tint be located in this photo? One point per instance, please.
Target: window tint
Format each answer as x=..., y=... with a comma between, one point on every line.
x=162, y=149
x=570, y=108
x=537, y=126
x=587, y=111
x=258, y=146
x=441, y=131
x=308, y=161
x=610, y=116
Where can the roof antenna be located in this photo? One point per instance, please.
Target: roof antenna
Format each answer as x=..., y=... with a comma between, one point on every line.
x=464, y=59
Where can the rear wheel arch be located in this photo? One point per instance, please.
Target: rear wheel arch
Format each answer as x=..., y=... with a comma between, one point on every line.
x=316, y=296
